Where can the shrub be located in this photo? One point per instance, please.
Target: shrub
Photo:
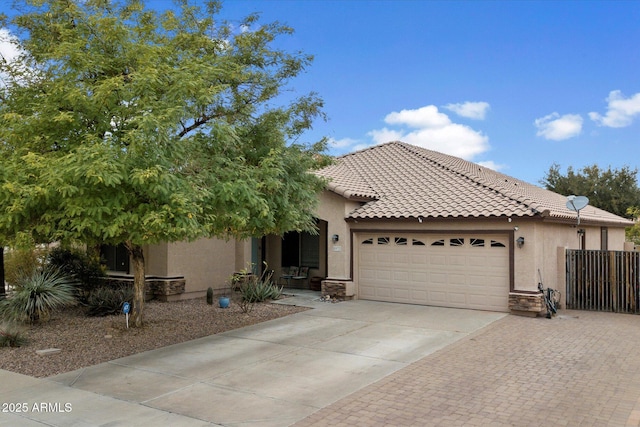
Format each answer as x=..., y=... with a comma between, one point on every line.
x=104, y=301
x=260, y=289
x=79, y=265
x=11, y=335
x=22, y=262
x=37, y=295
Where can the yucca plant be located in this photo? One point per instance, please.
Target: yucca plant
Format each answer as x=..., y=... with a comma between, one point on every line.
x=11, y=335
x=37, y=295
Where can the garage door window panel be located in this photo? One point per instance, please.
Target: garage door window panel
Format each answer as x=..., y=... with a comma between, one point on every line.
x=400, y=241
x=458, y=241
x=477, y=243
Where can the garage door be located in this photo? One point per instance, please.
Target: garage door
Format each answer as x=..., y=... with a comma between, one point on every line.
x=462, y=271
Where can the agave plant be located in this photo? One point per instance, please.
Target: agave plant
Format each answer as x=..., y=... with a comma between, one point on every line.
x=37, y=294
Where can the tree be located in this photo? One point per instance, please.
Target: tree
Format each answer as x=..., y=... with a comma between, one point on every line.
x=123, y=124
x=632, y=234
x=613, y=190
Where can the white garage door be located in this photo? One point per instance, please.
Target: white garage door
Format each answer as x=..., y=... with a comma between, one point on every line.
x=462, y=271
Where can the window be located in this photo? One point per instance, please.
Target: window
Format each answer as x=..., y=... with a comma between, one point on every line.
x=301, y=249
x=116, y=258
x=438, y=243
x=368, y=241
x=383, y=240
x=496, y=244
x=416, y=242
x=477, y=243
x=604, y=238
x=458, y=241
x=400, y=241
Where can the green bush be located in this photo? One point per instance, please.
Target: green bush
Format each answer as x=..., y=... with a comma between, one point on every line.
x=260, y=289
x=37, y=294
x=23, y=262
x=104, y=301
x=79, y=265
x=11, y=335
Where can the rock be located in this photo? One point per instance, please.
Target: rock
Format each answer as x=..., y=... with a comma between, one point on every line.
x=48, y=351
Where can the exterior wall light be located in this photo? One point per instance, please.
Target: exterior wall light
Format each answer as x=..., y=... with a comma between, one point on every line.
x=520, y=241
x=335, y=238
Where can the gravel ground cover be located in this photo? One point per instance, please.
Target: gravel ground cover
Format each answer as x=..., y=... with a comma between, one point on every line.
x=85, y=341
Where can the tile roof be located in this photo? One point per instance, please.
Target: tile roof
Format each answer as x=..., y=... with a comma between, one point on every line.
x=398, y=180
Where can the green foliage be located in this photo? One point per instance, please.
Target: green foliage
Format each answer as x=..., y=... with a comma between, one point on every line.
x=77, y=264
x=12, y=335
x=632, y=234
x=104, y=301
x=21, y=262
x=125, y=125
x=210, y=295
x=37, y=295
x=612, y=190
x=259, y=289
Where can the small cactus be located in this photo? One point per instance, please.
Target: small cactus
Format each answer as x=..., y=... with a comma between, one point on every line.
x=210, y=296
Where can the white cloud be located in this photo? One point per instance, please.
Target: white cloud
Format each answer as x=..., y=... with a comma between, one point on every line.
x=8, y=49
x=432, y=130
x=490, y=164
x=428, y=116
x=470, y=110
x=620, y=110
x=558, y=128
x=383, y=135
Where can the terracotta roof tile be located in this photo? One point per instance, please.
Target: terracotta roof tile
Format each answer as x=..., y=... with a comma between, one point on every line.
x=398, y=180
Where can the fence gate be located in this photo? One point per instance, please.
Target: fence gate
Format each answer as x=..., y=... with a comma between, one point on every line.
x=603, y=280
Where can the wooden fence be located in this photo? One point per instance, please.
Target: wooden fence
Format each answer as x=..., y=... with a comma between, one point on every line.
x=603, y=281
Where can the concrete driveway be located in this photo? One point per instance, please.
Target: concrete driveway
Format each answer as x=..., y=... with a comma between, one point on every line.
x=271, y=374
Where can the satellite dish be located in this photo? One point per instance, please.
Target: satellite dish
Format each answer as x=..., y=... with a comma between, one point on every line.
x=575, y=203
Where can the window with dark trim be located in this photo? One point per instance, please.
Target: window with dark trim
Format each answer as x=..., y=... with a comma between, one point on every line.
x=115, y=257
x=604, y=238
x=300, y=249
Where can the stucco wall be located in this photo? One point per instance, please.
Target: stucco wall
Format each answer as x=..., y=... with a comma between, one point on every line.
x=334, y=209
x=155, y=257
x=203, y=263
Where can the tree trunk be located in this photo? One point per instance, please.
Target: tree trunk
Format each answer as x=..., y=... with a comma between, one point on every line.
x=137, y=257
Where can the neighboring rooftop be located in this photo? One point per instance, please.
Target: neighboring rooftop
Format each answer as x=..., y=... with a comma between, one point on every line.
x=399, y=180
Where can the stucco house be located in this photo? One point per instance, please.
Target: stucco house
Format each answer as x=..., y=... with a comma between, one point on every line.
x=404, y=224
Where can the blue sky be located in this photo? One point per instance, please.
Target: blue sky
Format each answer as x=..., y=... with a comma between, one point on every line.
x=513, y=85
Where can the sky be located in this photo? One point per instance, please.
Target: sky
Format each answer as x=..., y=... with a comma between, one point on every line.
x=512, y=85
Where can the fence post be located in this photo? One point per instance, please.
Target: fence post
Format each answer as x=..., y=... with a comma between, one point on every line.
x=561, y=274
